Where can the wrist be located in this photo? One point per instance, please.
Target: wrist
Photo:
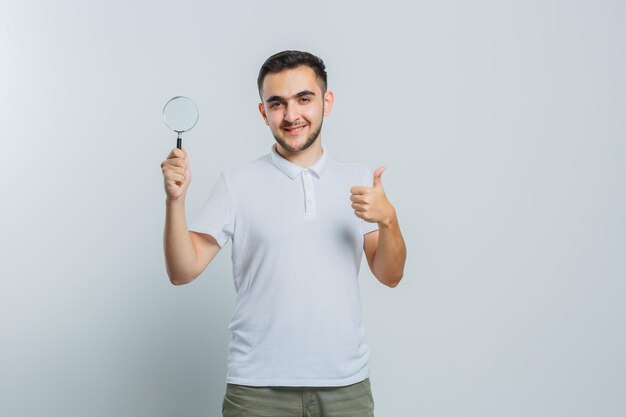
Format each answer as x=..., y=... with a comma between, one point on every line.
x=389, y=220
x=175, y=202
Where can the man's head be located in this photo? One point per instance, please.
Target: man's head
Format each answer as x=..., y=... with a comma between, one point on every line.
x=294, y=98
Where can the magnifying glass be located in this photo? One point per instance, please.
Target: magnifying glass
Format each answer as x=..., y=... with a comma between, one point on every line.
x=180, y=114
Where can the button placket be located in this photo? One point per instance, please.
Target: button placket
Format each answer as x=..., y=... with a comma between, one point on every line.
x=309, y=193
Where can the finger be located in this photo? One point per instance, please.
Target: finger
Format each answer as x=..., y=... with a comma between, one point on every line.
x=177, y=170
x=358, y=198
x=176, y=153
x=359, y=189
x=362, y=215
x=174, y=176
x=359, y=207
x=179, y=162
x=174, y=162
x=377, y=180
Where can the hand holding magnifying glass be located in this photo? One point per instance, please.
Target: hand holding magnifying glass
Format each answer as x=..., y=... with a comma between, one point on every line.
x=180, y=114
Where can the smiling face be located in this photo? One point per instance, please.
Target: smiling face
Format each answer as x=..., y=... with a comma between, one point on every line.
x=294, y=107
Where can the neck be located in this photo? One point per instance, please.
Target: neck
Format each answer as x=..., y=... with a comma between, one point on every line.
x=304, y=158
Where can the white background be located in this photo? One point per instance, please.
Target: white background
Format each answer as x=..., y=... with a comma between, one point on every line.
x=502, y=126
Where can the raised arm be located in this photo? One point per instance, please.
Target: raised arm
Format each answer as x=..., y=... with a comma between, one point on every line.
x=385, y=249
x=187, y=253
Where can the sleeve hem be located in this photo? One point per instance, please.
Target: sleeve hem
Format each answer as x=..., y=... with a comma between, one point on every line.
x=220, y=237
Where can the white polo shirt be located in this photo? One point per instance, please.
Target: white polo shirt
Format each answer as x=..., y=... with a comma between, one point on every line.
x=297, y=249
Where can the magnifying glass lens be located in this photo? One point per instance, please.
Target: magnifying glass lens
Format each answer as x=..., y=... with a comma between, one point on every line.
x=180, y=114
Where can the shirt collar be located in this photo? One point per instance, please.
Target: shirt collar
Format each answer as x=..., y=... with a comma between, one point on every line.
x=292, y=170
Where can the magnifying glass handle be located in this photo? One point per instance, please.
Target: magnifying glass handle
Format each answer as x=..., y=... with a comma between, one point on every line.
x=179, y=142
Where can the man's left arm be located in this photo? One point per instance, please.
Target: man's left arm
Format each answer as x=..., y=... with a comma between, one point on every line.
x=385, y=249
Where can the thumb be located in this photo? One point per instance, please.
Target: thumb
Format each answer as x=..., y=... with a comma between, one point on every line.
x=377, y=180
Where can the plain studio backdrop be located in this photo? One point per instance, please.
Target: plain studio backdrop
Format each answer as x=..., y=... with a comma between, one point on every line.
x=502, y=126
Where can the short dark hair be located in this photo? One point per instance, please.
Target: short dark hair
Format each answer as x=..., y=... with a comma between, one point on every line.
x=292, y=59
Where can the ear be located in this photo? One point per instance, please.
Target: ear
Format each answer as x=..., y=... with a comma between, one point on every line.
x=262, y=111
x=329, y=98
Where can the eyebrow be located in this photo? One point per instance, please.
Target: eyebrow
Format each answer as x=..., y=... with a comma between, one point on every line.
x=300, y=94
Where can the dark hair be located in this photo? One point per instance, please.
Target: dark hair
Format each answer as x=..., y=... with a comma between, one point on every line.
x=292, y=59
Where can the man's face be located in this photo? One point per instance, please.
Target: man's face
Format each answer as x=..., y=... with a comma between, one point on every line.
x=293, y=106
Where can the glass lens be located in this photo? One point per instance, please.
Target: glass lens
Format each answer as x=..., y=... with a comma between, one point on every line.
x=180, y=114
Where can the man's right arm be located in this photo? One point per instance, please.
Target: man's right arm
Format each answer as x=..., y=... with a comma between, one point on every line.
x=187, y=253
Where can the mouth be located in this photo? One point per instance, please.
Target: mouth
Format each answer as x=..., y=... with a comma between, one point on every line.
x=294, y=130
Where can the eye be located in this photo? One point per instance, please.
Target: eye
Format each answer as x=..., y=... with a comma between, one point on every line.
x=304, y=99
x=274, y=104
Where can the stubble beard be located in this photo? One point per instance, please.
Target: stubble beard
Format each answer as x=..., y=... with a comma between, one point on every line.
x=310, y=140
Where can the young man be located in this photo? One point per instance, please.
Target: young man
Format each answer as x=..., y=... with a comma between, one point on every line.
x=299, y=222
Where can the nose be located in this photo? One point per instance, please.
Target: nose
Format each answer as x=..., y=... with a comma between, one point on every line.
x=291, y=113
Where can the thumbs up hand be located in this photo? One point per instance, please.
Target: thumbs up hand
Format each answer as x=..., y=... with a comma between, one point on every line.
x=371, y=203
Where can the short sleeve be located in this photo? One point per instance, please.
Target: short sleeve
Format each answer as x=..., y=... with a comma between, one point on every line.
x=217, y=216
x=367, y=178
